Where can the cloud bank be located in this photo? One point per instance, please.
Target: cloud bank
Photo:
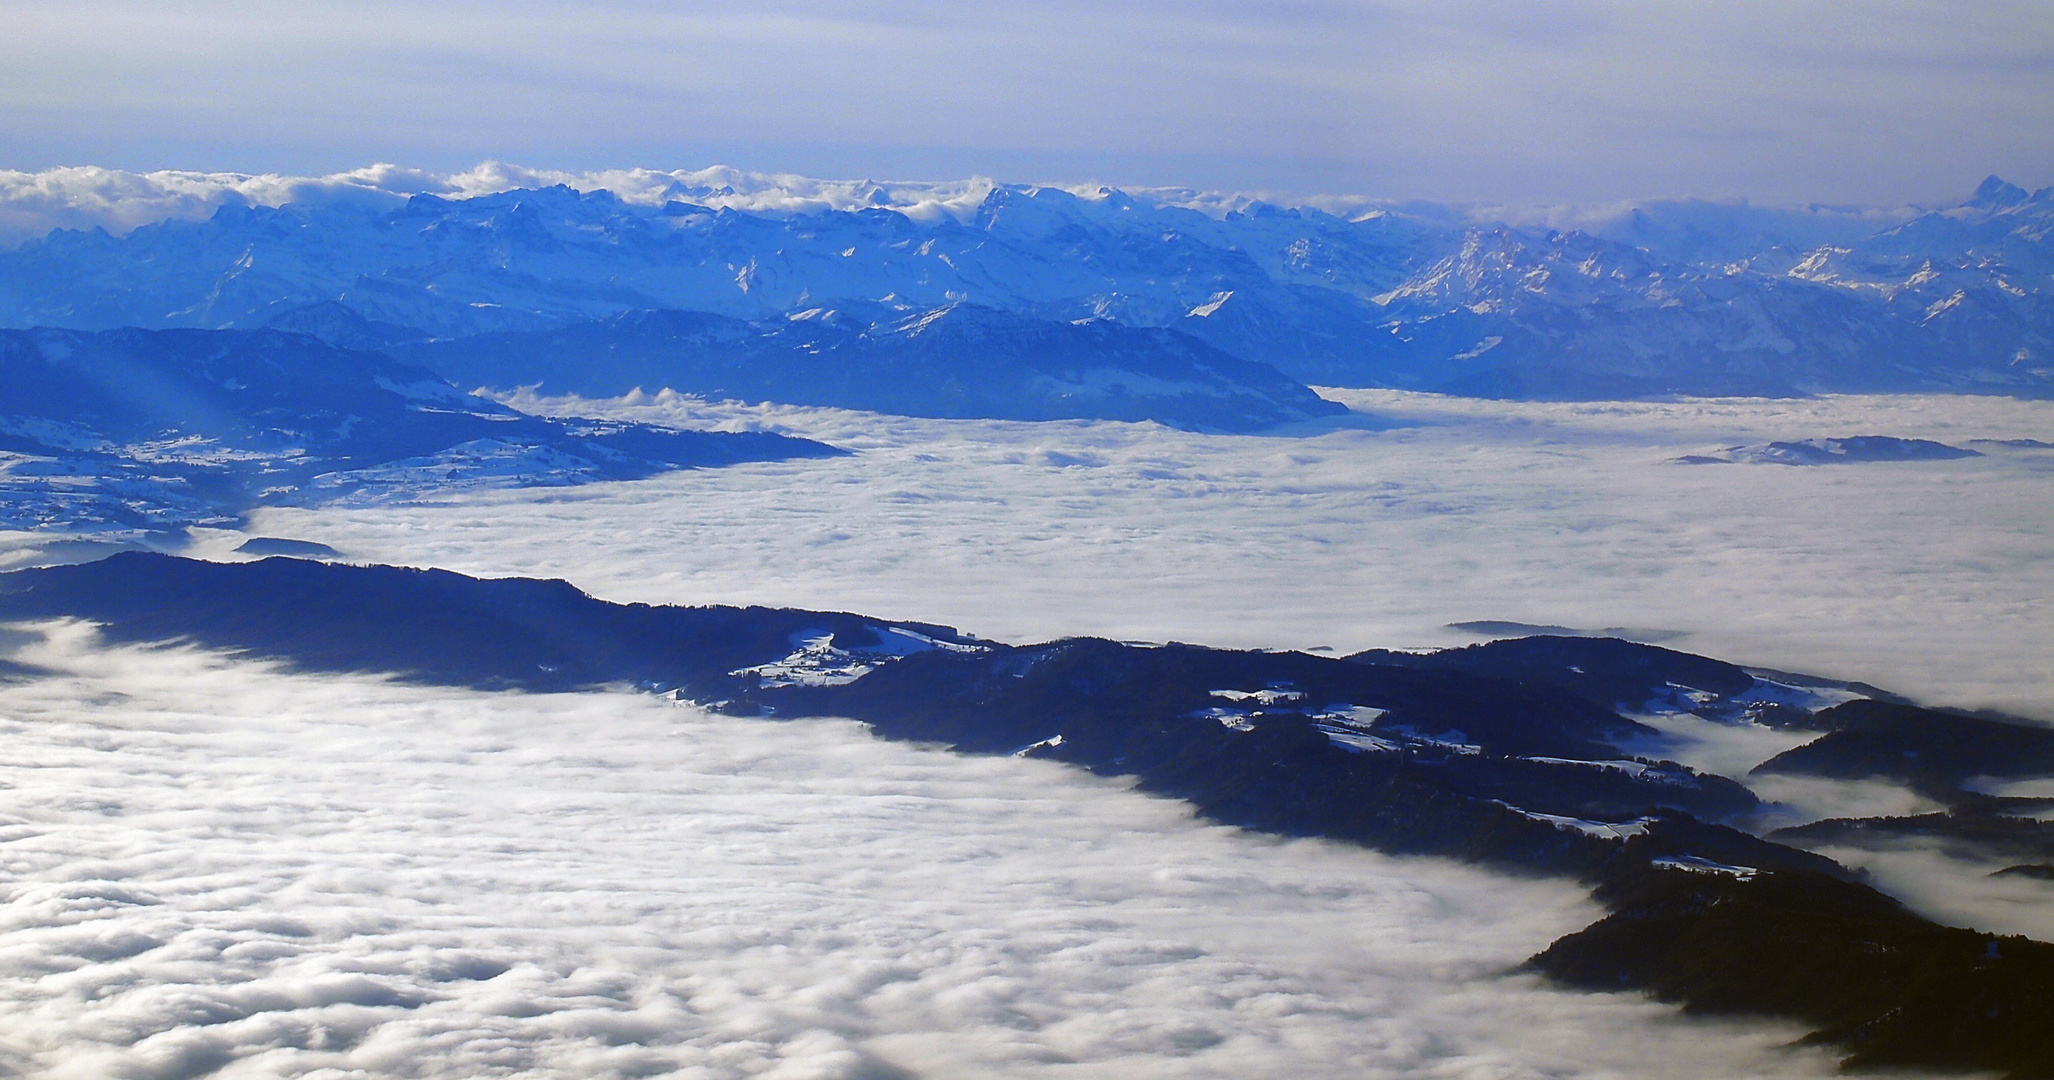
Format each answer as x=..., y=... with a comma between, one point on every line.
x=1934, y=579
x=89, y=197
x=214, y=868
x=33, y=203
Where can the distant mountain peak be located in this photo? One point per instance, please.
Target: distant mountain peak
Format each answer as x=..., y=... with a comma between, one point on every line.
x=1995, y=193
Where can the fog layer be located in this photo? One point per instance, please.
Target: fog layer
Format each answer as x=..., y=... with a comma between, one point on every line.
x=215, y=868
x=1934, y=579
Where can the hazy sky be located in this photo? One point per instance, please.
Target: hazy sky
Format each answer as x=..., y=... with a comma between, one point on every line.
x=1579, y=100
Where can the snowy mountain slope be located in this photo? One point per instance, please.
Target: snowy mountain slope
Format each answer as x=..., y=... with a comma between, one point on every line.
x=1570, y=315
x=1695, y=298
x=955, y=362
x=530, y=258
x=151, y=430
x=1699, y=232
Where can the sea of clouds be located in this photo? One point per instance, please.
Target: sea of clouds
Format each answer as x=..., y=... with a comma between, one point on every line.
x=1933, y=579
x=213, y=867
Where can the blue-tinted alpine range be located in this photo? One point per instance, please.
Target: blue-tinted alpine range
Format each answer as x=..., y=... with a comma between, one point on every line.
x=1680, y=298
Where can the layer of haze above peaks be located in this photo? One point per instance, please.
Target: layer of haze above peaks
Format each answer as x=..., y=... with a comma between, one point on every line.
x=1579, y=101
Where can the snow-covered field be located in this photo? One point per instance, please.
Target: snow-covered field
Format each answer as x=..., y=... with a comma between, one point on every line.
x=208, y=867
x=1933, y=578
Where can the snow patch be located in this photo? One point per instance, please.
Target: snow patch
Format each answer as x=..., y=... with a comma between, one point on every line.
x=1639, y=770
x=1678, y=698
x=1696, y=865
x=1453, y=740
x=1051, y=743
x=1603, y=830
x=1810, y=698
x=1234, y=719
x=817, y=661
x=1359, y=716
x=1357, y=742
x=1261, y=697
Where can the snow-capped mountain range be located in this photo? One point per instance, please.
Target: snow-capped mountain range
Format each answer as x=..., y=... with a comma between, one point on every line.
x=1700, y=298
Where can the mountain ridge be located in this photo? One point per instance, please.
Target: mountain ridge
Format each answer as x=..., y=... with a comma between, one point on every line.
x=1714, y=299
x=149, y=431
x=960, y=361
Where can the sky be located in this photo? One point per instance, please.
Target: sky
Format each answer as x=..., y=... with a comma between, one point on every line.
x=1575, y=101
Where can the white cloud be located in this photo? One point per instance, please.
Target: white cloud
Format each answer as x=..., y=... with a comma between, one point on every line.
x=87, y=197
x=1733, y=750
x=215, y=868
x=33, y=203
x=721, y=187
x=1933, y=579
x=1954, y=886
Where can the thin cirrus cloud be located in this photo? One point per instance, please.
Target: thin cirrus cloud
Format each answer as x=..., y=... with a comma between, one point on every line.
x=1579, y=101
x=215, y=868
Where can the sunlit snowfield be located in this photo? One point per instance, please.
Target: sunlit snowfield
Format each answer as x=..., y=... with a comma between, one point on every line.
x=1935, y=579
x=212, y=868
